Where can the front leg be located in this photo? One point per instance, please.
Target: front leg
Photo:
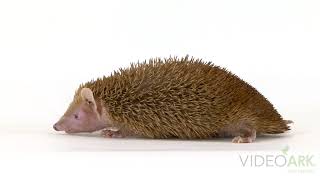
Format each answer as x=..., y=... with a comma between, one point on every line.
x=112, y=133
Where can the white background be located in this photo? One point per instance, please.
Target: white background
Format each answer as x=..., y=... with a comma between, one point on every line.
x=47, y=48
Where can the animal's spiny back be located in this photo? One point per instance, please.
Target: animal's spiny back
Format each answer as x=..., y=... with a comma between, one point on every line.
x=185, y=98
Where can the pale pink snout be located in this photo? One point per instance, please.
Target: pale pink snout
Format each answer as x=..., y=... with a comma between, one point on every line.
x=57, y=127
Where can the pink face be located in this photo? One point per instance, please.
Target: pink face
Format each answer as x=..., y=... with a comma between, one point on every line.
x=82, y=116
x=80, y=119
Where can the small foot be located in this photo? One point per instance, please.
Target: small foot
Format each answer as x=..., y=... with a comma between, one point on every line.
x=240, y=139
x=111, y=133
x=245, y=139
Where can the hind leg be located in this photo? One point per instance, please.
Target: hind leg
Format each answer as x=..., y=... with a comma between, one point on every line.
x=247, y=135
x=242, y=131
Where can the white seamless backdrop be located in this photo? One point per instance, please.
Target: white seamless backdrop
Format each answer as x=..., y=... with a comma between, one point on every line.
x=47, y=48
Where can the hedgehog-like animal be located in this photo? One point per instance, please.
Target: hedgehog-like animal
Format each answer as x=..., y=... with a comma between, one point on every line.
x=183, y=98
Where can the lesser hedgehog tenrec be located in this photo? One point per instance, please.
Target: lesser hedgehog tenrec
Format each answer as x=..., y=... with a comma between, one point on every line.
x=183, y=98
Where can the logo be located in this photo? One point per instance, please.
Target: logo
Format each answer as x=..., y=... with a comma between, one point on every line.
x=283, y=159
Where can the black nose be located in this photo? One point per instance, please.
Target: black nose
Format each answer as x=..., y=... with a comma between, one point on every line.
x=55, y=127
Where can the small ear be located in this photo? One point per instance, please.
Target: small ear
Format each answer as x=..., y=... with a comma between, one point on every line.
x=87, y=95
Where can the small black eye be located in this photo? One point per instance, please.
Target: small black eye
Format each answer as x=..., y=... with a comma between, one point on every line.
x=89, y=102
x=76, y=116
